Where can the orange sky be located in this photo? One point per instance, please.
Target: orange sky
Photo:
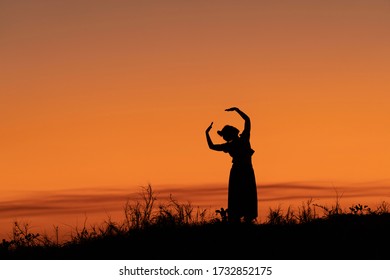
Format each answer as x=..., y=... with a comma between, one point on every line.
x=119, y=93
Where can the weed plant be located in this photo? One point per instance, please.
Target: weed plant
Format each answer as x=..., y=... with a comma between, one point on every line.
x=179, y=226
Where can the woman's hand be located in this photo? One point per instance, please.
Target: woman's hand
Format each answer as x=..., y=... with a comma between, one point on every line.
x=232, y=109
x=241, y=113
x=209, y=128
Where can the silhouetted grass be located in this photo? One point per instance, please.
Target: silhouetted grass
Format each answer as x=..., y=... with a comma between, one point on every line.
x=181, y=231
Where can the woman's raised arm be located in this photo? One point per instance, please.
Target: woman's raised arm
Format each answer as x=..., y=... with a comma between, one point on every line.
x=210, y=143
x=247, y=125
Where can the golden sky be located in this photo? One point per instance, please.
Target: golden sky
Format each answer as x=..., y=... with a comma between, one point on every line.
x=119, y=93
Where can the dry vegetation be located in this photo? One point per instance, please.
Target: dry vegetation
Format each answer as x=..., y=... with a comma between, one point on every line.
x=181, y=231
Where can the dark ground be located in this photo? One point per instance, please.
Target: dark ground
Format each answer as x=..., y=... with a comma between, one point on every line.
x=341, y=237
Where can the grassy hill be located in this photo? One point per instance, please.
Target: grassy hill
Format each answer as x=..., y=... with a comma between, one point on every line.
x=177, y=231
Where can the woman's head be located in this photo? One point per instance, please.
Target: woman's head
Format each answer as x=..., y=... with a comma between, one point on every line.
x=228, y=132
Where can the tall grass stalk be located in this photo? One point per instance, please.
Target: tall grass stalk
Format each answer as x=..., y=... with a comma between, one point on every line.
x=143, y=213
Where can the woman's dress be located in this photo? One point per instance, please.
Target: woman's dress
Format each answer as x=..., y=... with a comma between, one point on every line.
x=242, y=191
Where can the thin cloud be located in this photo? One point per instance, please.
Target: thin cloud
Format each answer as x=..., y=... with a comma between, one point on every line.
x=93, y=200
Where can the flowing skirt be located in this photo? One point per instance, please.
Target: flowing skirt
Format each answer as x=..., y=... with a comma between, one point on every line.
x=242, y=192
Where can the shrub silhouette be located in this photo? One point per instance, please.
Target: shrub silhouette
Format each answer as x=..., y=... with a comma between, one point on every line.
x=173, y=229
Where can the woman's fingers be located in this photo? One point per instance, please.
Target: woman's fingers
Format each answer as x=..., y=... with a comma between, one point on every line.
x=210, y=126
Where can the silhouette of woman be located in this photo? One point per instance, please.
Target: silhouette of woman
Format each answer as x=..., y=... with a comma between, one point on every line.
x=242, y=192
